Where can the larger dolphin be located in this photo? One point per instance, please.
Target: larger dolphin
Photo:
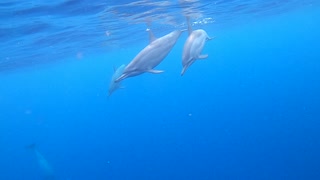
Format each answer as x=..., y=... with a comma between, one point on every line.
x=43, y=163
x=151, y=55
x=193, y=47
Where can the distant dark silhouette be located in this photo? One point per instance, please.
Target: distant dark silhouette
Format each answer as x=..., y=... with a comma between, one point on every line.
x=43, y=163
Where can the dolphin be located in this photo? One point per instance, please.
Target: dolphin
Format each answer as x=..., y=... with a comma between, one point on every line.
x=116, y=85
x=151, y=55
x=193, y=47
x=43, y=163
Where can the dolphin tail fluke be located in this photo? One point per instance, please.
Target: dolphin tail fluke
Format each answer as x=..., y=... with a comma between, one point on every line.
x=153, y=71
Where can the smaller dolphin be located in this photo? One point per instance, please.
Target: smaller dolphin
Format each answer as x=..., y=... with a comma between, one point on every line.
x=43, y=163
x=151, y=55
x=193, y=47
x=116, y=85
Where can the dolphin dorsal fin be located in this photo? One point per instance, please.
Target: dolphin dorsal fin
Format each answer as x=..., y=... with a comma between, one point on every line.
x=189, y=25
x=151, y=36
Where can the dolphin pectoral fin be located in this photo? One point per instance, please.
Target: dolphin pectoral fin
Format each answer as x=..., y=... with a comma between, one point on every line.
x=151, y=36
x=210, y=38
x=153, y=71
x=203, y=56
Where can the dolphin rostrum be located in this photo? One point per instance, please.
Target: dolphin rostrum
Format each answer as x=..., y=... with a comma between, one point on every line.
x=193, y=47
x=43, y=163
x=151, y=55
x=116, y=85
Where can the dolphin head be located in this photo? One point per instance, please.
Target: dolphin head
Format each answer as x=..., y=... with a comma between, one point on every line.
x=185, y=67
x=113, y=87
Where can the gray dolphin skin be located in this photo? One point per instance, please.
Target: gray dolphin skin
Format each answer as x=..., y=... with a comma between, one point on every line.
x=193, y=47
x=43, y=163
x=113, y=86
x=151, y=55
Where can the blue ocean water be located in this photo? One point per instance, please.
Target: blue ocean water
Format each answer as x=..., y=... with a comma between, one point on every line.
x=251, y=110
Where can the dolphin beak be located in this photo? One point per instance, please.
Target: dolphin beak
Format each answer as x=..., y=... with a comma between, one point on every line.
x=184, y=70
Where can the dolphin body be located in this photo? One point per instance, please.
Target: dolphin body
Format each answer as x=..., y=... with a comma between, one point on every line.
x=151, y=55
x=43, y=163
x=193, y=47
x=116, y=85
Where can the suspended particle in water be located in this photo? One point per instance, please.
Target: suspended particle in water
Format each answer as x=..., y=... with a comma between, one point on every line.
x=79, y=55
x=28, y=112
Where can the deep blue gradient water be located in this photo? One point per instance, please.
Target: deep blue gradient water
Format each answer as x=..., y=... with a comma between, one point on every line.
x=251, y=110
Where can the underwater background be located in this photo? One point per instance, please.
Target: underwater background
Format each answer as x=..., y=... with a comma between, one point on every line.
x=251, y=110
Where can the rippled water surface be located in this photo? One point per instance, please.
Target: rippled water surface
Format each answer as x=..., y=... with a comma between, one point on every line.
x=41, y=31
